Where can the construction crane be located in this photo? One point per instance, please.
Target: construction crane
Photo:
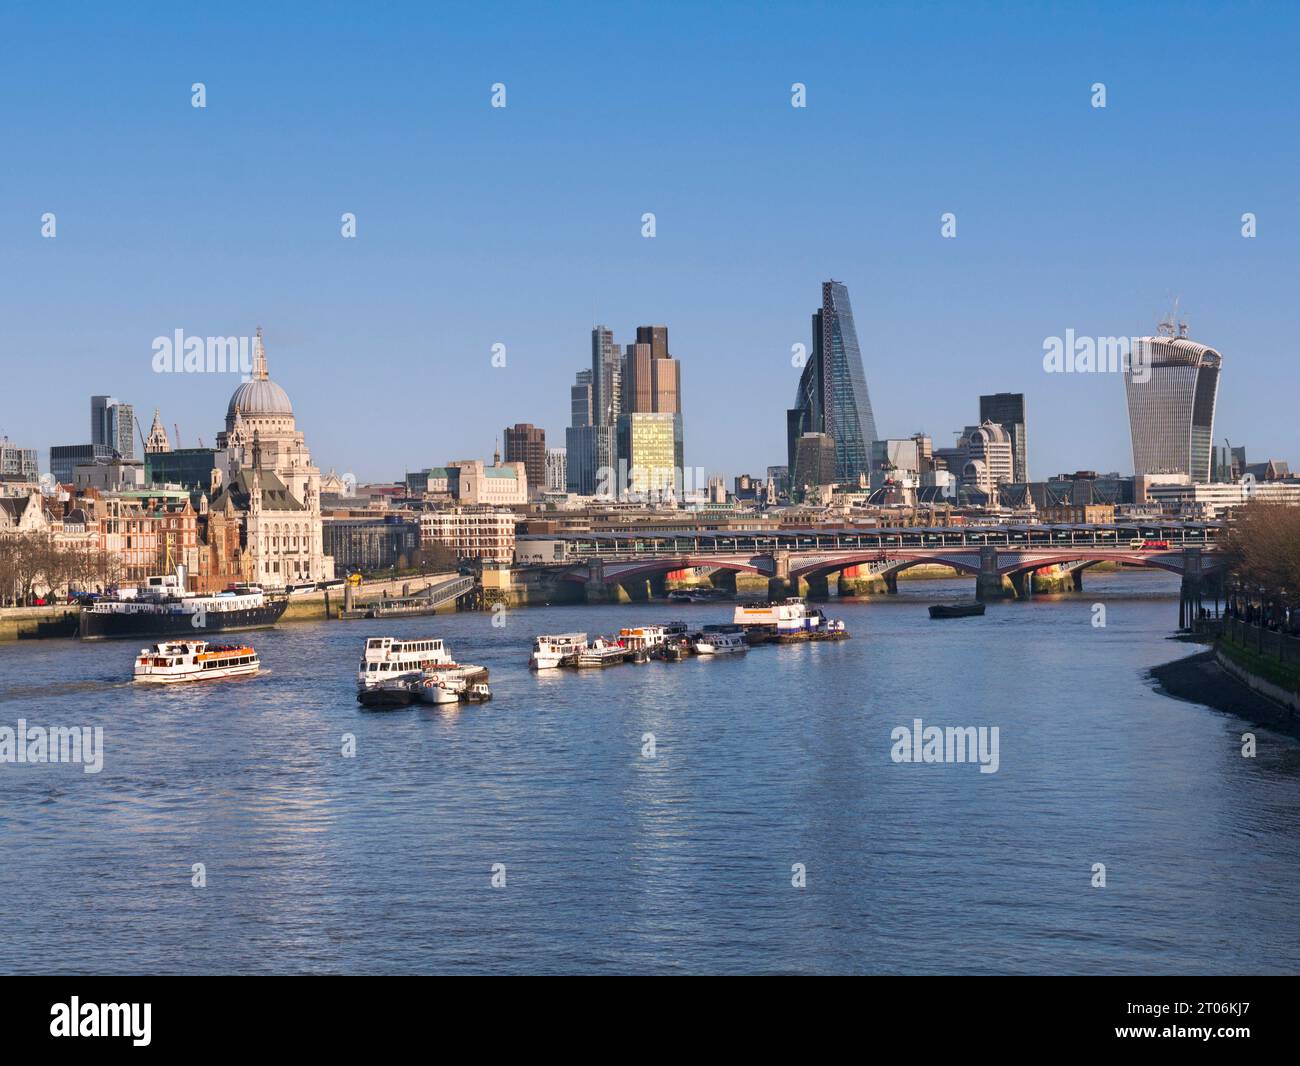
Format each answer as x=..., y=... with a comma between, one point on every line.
x=177, y=428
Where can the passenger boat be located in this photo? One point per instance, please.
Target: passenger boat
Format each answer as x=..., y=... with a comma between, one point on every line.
x=601, y=652
x=557, y=649
x=194, y=660
x=394, y=659
x=163, y=607
x=957, y=610
x=720, y=640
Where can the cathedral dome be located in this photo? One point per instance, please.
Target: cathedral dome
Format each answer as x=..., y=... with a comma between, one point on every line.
x=261, y=395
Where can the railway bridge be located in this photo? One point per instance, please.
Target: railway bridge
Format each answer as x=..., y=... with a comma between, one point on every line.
x=1000, y=557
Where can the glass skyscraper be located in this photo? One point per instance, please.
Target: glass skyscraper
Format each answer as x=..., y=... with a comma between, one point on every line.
x=832, y=396
x=1171, y=385
x=112, y=424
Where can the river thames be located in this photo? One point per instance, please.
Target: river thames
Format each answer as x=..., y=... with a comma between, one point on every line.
x=614, y=861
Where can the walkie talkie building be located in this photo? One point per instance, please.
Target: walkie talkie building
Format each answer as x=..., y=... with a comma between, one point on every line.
x=832, y=396
x=1171, y=384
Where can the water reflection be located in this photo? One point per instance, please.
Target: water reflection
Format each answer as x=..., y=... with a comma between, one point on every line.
x=682, y=862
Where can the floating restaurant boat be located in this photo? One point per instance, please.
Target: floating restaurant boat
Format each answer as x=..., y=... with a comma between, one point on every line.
x=957, y=610
x=163, y=607
x=557, y=649
x=194, y=660
x=392, y=659
x=720, y=640
x=601, y=652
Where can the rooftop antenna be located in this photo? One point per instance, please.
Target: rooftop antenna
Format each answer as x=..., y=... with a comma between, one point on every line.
x=1178, y=317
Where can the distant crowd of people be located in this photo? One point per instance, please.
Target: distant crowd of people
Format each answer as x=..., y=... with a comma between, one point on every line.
x=1273, y=617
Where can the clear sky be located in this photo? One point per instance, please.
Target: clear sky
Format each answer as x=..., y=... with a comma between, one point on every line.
x=522, y=225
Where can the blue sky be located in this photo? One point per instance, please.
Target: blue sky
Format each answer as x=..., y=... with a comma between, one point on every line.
x=521, y=225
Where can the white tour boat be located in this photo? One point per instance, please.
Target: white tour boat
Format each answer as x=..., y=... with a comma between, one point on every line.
x=194, y=660
x=394, y=663
x=386, y=658
x=556, y=650
x=601, y=652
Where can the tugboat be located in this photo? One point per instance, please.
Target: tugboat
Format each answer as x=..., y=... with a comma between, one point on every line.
x=174, y=661
x=968, y=609
x=162, y=607
x=434, y=686
x=675, y=650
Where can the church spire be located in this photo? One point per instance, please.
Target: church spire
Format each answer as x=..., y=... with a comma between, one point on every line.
x=157, y=441
x=259, y=357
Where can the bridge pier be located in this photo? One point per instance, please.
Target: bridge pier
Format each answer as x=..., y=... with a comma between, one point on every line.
x=988, y=582
x=891, y=582
x=658, y=586
x=596, y=589
x=779, y=585
x=1022, y=582
x=1191, y=591
x=723, y=579
x=819, y=586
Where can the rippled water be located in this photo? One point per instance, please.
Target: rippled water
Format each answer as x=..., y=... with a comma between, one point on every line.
x=681, y=863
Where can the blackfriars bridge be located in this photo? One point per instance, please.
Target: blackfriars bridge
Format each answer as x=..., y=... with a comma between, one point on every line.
x=997, y=555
